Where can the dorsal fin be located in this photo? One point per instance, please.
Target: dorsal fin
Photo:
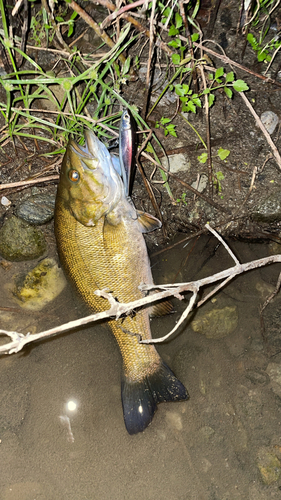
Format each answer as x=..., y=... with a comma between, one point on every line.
x=147, y=222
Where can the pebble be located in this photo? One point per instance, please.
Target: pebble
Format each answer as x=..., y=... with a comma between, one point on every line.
x=177, y=163
x=37, y=209
x=5, y=202
x=41, y=285
x=217, y=323
x=270, y=120
x=19, y=241
x=202, y=184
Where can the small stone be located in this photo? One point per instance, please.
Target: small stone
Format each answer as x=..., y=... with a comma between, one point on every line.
x=5, y=202
x=217, y=323
x=269, y=465
x=202, y=184
x=270, y=120
x=177, y=163
x=20, y=241
x=41, y=285
x=37, y=209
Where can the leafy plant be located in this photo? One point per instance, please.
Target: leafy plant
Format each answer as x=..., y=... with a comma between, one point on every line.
x=182, y=199
x=167, y=126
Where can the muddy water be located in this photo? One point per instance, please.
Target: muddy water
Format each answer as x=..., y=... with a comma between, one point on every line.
x=223, y=443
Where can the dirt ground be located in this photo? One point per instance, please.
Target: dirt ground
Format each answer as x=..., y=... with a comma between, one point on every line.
x=222, y=444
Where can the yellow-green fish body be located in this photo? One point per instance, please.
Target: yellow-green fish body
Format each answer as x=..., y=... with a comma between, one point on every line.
x=101, y=246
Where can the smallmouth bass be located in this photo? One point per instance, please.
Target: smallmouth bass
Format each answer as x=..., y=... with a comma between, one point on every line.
x=100, y=244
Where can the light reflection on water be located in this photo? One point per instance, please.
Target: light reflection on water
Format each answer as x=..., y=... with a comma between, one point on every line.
x=61, y=424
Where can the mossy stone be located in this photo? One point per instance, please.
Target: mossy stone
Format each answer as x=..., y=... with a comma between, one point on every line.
x=19, y=241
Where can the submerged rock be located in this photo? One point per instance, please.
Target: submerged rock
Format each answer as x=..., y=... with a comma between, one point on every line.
x=20, y=241
x=217, y=323
x=273, y=370
x=41, y=285
x=37, y=209
x=269, y=465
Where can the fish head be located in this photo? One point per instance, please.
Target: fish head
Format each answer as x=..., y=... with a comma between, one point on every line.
x=125, y=122
x=89, y=185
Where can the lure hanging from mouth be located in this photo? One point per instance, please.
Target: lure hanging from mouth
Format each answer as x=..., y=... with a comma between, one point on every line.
x=127, y=141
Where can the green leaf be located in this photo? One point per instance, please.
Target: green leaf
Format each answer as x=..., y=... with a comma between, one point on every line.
x=194, y=37
x=60, y=19
x=70, y=30
x=228, y=92
x=178, y=20
x=203, y=157
x=176, y=59
x=197, y=101
x=179, y=90
x=191, y=106
x=165, y=120
x=170, y=129
x=185, y=88
x=211, y=100
x=219, y=175
x=175, y=43
x=240, y=86
x=223, y=154
x=206, y=91
x=173, y=31
x=126, y=66
x=219, y=72
x=229, y=77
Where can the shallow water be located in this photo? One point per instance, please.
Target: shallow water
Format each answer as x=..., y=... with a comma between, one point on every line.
x=207, y=448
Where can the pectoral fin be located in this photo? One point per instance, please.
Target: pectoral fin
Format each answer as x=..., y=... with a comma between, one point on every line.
x=147, y=222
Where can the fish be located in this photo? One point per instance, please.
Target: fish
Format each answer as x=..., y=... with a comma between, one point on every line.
x=101, y=246
x=127, y=142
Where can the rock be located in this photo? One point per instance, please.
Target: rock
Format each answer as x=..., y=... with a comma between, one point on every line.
x=270, y=121
x=217, y=323
x=206, y=433
x=5, y=202
x=202, y=184
x=268, y=209
x=174, y=420
x=159, y=84
x=37, y=209
x=41, y=285
x=177, y=163
x=274, y=372
x=20, y=241
x=258, y=377
x=269, y=465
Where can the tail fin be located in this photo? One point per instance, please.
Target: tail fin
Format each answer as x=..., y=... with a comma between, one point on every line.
x=139, y=399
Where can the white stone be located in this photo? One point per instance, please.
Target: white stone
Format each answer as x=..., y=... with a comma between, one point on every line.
x=178, y=163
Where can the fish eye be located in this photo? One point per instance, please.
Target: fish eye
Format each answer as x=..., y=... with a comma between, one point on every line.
x=74, y=175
